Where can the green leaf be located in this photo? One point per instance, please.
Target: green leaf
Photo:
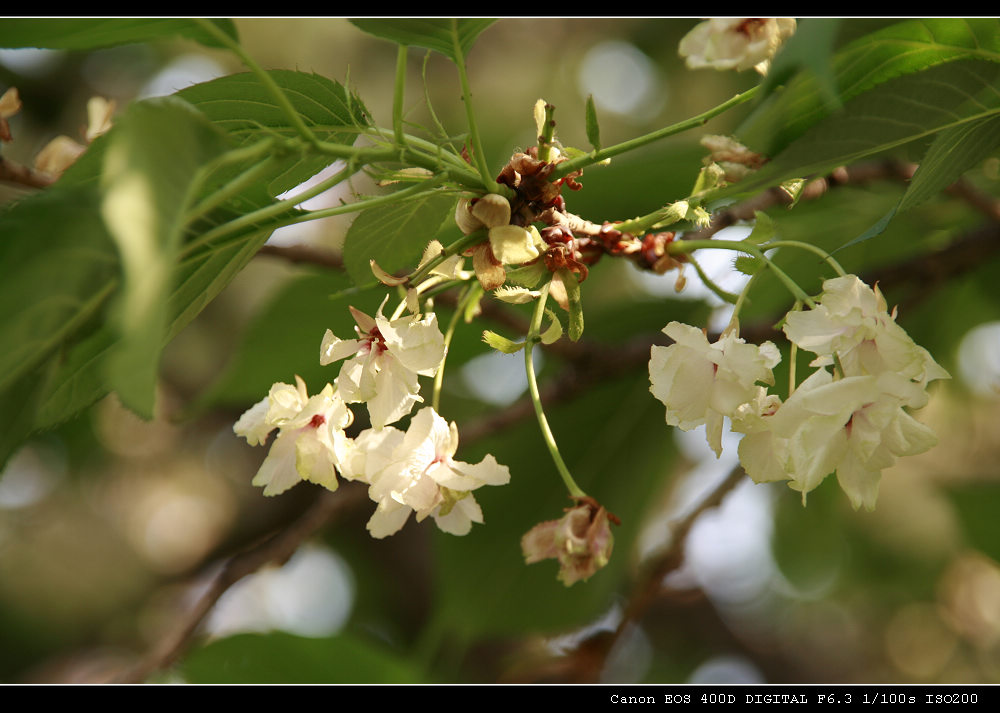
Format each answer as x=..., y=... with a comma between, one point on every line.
x=239, y=105
x=442, y=35
x=57, y=268
x=284, y=658
x=87, y=33
x=901, y=49
x=951, y=154
x=502, y=344
x=877, y=229
x=747, y=264
x=906, y=109
x=395, y=234
x=151, y=171
x=593, y=128
x=243, y=107
x=80, y=379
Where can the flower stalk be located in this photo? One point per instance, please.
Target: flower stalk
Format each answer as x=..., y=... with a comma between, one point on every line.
x=529, y=366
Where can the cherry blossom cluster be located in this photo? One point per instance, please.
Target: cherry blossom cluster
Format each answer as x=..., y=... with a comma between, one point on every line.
x=848, y=417
x=412, y=471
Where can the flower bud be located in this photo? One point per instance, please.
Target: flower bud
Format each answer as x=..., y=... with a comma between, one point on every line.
x=492, y=210
x=466, y=221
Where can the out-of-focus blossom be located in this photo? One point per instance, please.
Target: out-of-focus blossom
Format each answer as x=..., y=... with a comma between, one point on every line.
x=736, y=42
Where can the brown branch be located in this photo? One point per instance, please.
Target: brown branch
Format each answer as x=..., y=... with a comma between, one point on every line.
x=276, y=548
x=298, y=254
x=650, y=583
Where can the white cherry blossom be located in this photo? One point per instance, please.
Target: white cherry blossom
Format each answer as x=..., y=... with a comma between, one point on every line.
x=310, y=435
x=416, y=472
x=384, y=361
x=701, y=383
x=855, y=426
x=852, y=323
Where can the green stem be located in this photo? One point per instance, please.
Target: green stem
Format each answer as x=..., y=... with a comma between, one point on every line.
x=687, y=246
x=397, y=97
x=398, y=196
x=740, y=301
x=545, y=138
x=270, y=212
x=231, y=189
x=811, y=248
x=477, y=144
x=593, y=157
x=710, y=284
x=543, y=424
x=276, y=92
x=470, y=292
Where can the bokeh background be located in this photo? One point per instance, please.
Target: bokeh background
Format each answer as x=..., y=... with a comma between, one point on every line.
x=109, y=523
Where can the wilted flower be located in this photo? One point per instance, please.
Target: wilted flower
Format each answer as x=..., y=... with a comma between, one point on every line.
x=387, y=357
x=310, y=435
x=581, y=540
x=736, y=42
x=417, y=472
x=701, y=383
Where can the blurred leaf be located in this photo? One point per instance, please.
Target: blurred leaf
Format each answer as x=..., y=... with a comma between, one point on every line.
x=438, y=34
x=394, y=235
x=904, y=48
x=245, y=109
x=80, y=379
x=151, y=169
x=283, y=658
x=57, y=268
x=977, y=505
x=897, y=112
x=93, y=33
x=240, y=106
